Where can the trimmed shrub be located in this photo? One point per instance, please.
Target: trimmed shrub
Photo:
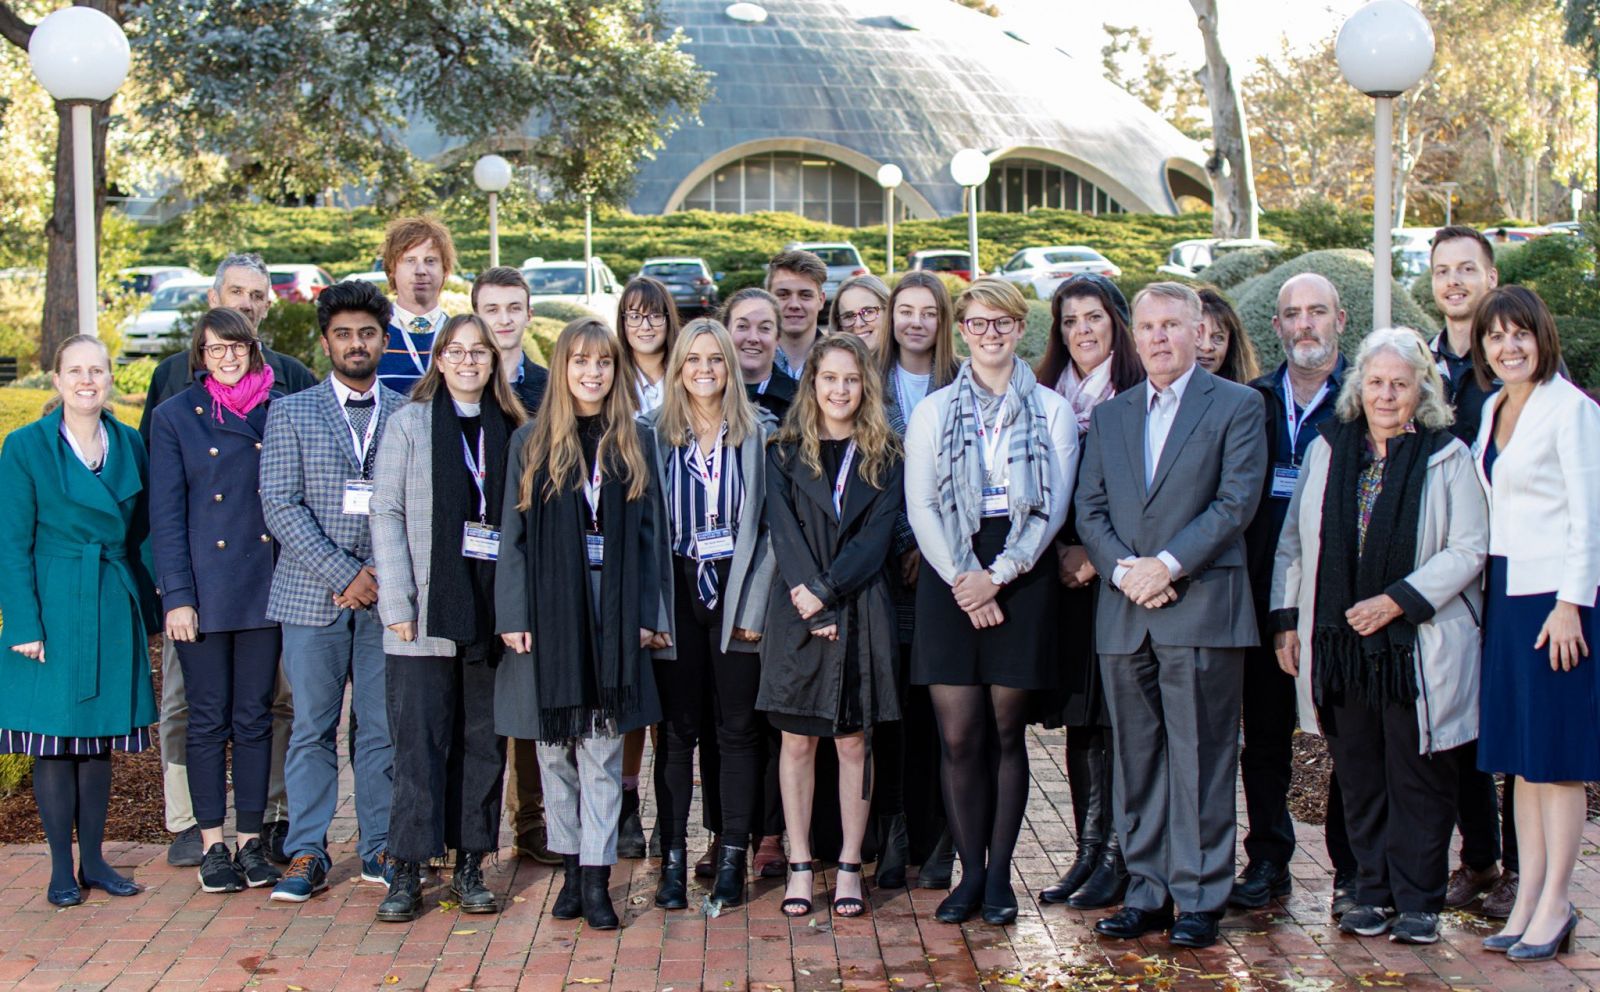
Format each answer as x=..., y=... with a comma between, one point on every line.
x=1235, y=267
x=1031, y=348
x=540, y=337
x=732, y=282
x=1580, y=349
x=1320, y=225
x=291, y=328
x=133, y=379
x=559, y=310
x=1560, y=268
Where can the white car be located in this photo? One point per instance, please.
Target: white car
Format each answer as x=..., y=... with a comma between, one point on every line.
x=1413, y=248
x=562, y=282
x=146, y=333
x=1188, y=259
x=146, y=279
x=841, y=258
x=1046, y=268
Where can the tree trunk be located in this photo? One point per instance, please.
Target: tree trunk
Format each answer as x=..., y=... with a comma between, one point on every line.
x=1234, y=210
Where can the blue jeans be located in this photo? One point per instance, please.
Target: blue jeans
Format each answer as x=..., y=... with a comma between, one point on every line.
x=318, y=661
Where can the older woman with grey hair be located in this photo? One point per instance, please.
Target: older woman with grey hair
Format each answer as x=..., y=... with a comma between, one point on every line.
x=1376, y=596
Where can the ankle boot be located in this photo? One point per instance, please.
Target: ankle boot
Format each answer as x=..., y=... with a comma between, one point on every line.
x=597, y=911
x=894, y=851
x=630, y=831
x=1109, y=882
x=1089, y=800
x=466, y=884
x=569, y=903
x=940, y=866
x=672, y=892
x=729, y=888
x=404, y=900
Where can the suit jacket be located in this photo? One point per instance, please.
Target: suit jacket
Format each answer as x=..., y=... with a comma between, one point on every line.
x=306, y=457
x=1202, y=496
x=402, y=529
x=530, y=388
x=210, y=540
x=173, y=375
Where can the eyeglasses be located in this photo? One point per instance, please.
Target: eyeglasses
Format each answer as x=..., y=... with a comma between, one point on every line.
x=455, y=355
x=865, y=315
x=983, y=325
x=633, y=318
x=237, y=349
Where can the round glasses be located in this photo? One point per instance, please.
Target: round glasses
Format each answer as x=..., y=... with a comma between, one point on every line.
x=866, y=315
x=983, y=325
x=455, y=355
x=236, y=349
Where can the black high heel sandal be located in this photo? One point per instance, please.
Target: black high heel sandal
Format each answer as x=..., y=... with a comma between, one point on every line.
x=795, y=907
x=850, y=907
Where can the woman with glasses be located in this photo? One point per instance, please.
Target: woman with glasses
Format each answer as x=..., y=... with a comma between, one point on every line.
x=214, y=562
x=860, y=307
x=990, y=464
x=1224, y=349
x=436, y=505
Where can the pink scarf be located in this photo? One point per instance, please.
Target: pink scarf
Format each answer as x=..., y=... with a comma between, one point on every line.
x=241, y=397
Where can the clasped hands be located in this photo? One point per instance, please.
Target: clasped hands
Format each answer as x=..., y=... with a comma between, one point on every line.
x=361, y=593
x=521, y=642
x=1148, y=582
x=808, y=605
x=975, y=592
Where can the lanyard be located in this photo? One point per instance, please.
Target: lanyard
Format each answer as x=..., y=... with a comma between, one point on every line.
x=844, y=476
x=591, y=491
x=416, y=359
x=761, y=390
x=363, y=443
x=900, y=393
x=987, y=447
x=709, y=474
x=1298, y=420
x=479, y=470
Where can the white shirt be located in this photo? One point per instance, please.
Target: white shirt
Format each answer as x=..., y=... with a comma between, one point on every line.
x=910, y=389
x=403, y=318
x=344, y=394
x=649, y=393
x=1162, y=409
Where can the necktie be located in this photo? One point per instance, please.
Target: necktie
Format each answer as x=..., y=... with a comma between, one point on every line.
x=421, y=325
x=360, y=414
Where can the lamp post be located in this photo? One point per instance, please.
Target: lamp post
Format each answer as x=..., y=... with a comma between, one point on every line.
x=80, y=56
x=492, y=174
x=889, y=176
x=970, y=168
x=1449, y=187
x=588, y=246
x=1384, y=49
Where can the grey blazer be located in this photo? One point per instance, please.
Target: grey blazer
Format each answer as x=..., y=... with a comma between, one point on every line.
x=1203, y=495
x=750, y=574
x=402, y=529
x=306, y=456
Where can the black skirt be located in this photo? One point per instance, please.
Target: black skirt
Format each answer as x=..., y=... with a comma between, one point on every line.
x=1020, y=653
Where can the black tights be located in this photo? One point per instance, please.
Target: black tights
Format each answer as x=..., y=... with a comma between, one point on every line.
x=74, y=790
x=983, y=744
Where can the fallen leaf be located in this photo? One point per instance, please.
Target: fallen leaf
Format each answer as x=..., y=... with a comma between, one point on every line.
x=519, y=898
x=1213, y=978
x=462, y=933
x=391, y=979
x=586, y=981
x=296, y=988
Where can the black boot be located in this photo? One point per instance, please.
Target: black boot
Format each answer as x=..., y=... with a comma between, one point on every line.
x=404, y=900
x=1108, y=883
x=941, y=863
x=467, y=885
x=1089, y=803
x=672, y=892
x=894, y=851
x=597, y=911
x=630, y=832
x=728, y=891
x=569, y=903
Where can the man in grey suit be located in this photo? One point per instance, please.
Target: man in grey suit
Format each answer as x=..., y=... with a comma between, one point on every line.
x=316, y=482
x=1171, y=476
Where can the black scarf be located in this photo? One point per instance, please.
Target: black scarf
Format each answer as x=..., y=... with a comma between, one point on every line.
x=461, y=590
x=1381, y=668
x=587, y=671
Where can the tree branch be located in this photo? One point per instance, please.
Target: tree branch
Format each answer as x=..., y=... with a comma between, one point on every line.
x=14, y=28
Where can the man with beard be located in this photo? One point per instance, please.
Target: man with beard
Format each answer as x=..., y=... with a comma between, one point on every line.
x=316, y=483
x=1300, y=395
x=418, y=255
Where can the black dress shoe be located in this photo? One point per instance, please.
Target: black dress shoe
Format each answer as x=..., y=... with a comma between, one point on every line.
x=1000, y=912
x=569, y=901
x=1196, y=929
x=113, y=884
x=672, y=891
x=1262, y=882
x=1129, y=923
x=71, y=895
x=956, y=908
x=598, y=913
x=1106, y=885
x=404, y=900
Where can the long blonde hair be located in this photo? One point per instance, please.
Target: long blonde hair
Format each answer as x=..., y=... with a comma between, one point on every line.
x=553, y=443
x=674, y=424
x=875, y=440
x=498, y=388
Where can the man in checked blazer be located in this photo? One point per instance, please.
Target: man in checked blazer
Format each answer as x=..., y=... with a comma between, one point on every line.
x=316, y=469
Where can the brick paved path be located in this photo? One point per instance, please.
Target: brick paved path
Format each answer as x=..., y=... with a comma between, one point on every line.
x=174, y=937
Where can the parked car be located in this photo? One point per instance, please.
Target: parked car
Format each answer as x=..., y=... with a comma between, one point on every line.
x=841, y=258
x=299, y=283
x=1413, y=249
x=377, y=277
x=146, y=279
x=148, y=331
x=1188, y=259
x=690, y=280
x=946, y=261
x=1046, y=268
x=562, y=282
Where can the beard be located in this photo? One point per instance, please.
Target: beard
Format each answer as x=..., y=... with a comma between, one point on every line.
x=1310, y=354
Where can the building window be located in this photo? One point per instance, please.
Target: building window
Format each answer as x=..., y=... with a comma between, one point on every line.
x=1018, y=185
x=817, y=188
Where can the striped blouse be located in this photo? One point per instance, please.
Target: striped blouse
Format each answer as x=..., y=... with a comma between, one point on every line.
x=691, y=477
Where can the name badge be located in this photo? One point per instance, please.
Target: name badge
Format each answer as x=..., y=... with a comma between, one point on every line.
x=713, y=544
x=358, y=497
x=595, y=546
x=995, y=503
x=1283, y=479
x=480, y=541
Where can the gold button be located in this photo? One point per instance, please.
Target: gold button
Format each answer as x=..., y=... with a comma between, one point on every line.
x=266, y=539
x=217, y=497
x=199, y=409
x=222, y=544
x=213, y=452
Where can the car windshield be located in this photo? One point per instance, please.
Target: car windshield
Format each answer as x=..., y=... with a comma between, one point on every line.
x=173, y=297
x=837, y=256
x=564, y=281
x=1063, y=257
x=944, y=263
x=672, y=271
x=283, y=278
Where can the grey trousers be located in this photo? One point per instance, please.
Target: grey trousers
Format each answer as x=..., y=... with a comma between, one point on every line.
x=583, y=797
x=1175, y=721
x=174, y=729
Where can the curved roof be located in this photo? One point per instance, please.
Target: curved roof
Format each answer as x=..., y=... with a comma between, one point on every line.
x=908, y=82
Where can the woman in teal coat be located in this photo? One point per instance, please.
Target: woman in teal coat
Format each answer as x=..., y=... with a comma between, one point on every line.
x=76, y=605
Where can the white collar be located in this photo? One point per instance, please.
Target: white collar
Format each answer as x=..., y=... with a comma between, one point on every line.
x=1176, y=387
x=344, y=393
x=404, y=317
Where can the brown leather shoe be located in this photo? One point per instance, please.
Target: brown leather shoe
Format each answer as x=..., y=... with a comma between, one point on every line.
x=770, y=860
x=533, y=843
x=1497, y=902
x=1467, y=884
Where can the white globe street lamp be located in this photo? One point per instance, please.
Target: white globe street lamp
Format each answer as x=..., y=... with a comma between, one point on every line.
x=80, y=56
x=1384, y=49
x=969, y=167
x=492, y=174
x=889, y=176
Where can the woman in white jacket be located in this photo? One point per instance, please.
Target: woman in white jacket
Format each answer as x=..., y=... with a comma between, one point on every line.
x=1375, y=594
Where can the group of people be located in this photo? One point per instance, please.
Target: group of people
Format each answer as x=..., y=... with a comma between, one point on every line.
x=743, y=536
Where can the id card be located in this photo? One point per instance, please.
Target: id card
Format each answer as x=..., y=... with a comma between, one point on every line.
x=595, y=546
x=713, y=544
x=995, y=502
x=1283, y=479
x=480, y=541
x=358, y=497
